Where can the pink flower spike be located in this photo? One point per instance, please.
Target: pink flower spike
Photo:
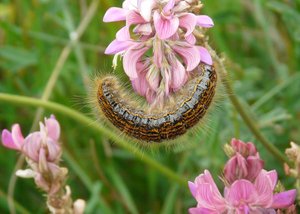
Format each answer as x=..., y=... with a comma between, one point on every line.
x=190, y=54
x=131, y=57
x=205, y=21
x=284, y=199
x=114, y=14
x=164, y=27
x=205, y=56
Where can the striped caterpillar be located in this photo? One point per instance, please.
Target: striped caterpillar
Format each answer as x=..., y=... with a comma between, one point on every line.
x=157, y=125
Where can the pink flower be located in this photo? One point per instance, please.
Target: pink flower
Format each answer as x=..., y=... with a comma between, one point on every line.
x=43, y=142
x=164, y=28
x=242, y=196
x=245, y=164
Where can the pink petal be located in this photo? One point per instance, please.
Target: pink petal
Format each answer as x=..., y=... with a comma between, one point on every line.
x=205, y=21
x=118, y=46
x=123, y=34
x=114, y=14
x=272, y=175
x=264, y=189
x=208, y=195
x=32, y=145
x=188, y=22
x=54, y=150
x=17, y=135
x=130, y=59
x=53, y=128
x=241, y=191
x=254, y=167
x=140, y=84
x=284, y=199
x=190, y=54
x=8, y=141
x=144, y=29
x=165, y=28
x=191, y=39
x=145, y=8
x=134, y=18
x=193, y=188
x=205, y=56
x=178, y=74
x=199, y=210
x=169, y=6
x=153, y=78
x=206, y=198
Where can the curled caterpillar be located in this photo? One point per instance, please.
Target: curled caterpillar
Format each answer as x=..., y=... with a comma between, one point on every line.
x=158, y=125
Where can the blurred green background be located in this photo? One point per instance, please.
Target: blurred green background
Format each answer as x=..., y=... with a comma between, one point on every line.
x=260, y=40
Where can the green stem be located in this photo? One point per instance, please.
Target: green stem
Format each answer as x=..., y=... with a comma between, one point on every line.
x=247, y=118
x=22, y=100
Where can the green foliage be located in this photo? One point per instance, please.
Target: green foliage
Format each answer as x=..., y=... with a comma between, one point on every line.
x=261, y=42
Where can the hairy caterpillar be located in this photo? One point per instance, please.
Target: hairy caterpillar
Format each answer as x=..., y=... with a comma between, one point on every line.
x=157, y=125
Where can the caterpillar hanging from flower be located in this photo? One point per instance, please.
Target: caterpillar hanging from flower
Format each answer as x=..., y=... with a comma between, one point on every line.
x=164, y=64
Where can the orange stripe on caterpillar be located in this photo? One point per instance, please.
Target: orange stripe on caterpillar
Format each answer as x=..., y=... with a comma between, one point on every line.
x=154, y=125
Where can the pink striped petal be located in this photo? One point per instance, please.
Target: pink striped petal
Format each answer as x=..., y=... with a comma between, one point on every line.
x=134, y=18
x=17, y=135
x=118, y=46
x=199, y=210
x=130, y=59
x=205, y=56
x=140, y=84
x=114, y=14
x=178, y=74
x=264, y=189
x=165, y=28
x=272, y=175
x=191, y=39
x=284, y=199
x=205, y=21
x=53, y=128
x=241, y=191
x=190, y=55
x=7, y=140
x=188, y=22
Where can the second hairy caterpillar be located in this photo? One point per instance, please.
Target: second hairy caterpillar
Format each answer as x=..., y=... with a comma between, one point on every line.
x=157, y=125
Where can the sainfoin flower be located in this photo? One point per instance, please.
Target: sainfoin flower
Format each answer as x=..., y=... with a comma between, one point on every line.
x=242, y=196
x=248, y=187
x=158, y=44
x=43, y=151
x=245, y=163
